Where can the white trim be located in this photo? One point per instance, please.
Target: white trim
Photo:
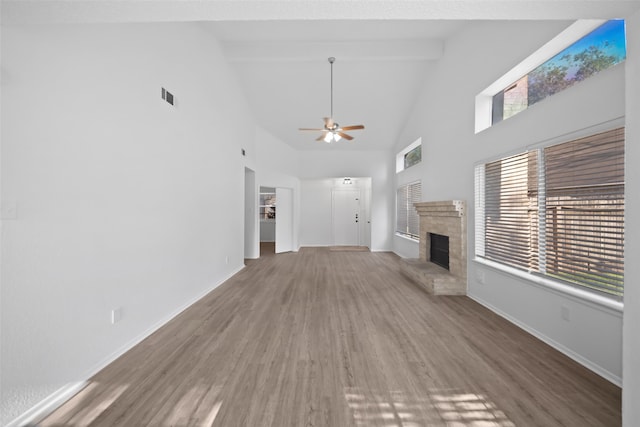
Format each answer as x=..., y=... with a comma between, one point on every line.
x=583, y=295
x=558, y=139
x=49, y=404
x=411, y=239
x=615, y=379
x=407, y=185
x=573, y=33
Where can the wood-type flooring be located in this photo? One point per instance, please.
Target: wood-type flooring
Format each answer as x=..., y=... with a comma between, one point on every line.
x=338, y=339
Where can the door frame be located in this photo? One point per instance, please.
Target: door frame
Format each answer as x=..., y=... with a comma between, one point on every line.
x=284, y=219
x=359, y=228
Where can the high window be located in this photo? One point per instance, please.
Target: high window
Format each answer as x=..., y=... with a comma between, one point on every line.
x=407, y=219
x=602, y=48
x=411, y=155
x=557, y=211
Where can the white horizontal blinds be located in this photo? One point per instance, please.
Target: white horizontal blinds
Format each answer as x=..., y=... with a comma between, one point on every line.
x=510, y=211
x=408, y=221
x=585, y=211
x=479, y=214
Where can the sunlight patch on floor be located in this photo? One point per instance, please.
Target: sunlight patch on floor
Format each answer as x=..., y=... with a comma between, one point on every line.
x=451, y=408
x=198, y=403
x=88, y=415
x=468, y=410
x=212, y=415
x=391, y=408
x=75, y=412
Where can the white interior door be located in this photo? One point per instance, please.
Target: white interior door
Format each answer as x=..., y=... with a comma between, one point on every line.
x=284, y=220
x=346, y=217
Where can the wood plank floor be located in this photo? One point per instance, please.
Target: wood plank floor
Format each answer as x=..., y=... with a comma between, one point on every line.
x=321, y=338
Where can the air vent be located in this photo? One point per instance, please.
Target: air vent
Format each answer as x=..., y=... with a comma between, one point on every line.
x=167, y=96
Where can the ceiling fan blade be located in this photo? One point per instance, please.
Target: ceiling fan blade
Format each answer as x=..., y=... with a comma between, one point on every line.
x=345, y=136
x=320, y=138
x=313, y=129
x=353, y=127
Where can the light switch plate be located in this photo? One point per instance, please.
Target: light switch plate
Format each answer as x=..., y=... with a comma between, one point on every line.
x=116, y=315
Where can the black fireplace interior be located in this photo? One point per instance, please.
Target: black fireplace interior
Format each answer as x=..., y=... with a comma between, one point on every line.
x=439, y=252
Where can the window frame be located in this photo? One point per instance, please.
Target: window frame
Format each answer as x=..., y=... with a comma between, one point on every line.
x=539, y=276
x=527, y=82
x=484, y=100
x=400, y=157
x=412, y=216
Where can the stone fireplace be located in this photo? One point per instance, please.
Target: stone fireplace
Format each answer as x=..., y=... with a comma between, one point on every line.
x=443, y=219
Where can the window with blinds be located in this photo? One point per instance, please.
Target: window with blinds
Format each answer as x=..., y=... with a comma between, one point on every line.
x=511, y=210
x=557, y=211
x=407, y=219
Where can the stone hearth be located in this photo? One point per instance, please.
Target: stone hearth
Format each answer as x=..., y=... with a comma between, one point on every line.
x=447, y=218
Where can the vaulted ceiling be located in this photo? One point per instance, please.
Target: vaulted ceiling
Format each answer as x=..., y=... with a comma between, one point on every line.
x=380, y=67
x=384, y=50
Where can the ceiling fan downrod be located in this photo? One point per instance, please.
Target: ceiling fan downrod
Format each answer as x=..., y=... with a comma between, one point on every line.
x=331, y=61
x=332, y=131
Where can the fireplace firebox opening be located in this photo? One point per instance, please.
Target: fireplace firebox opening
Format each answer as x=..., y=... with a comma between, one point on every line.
x=439, y=250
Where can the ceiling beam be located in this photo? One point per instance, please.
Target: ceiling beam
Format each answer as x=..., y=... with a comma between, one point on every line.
x=395, y=50
x=84, y=11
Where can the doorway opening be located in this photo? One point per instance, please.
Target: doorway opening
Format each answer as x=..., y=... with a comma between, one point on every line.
x=267, y=214
x=276, y=220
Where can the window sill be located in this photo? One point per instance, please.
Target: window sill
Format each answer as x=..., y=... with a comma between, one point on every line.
x=591, y=297
x=411, y=239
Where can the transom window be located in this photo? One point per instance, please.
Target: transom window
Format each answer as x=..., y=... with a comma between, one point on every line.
x=602, y=48
x=583, y=49
x=413, y=157
x=410, y=156
x=557, y=211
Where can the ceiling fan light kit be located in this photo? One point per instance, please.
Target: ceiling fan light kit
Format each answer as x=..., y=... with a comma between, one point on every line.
x=332, y=132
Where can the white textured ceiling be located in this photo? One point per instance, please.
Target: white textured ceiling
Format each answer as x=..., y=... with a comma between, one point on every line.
x=384, y=49
x=15, y=11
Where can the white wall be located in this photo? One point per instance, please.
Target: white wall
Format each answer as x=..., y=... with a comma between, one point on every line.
x=631, y=336
x=444, y=118
x=251, y=246
x=375, y=164
x=278, y=167
x=122, y=201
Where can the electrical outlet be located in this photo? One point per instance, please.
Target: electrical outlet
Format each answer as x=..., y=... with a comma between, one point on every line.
x=226, y=259
x=565, y=312
x=116, y=315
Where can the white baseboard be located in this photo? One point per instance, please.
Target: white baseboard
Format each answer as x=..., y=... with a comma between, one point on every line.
x=49, y=404
x=561, y=348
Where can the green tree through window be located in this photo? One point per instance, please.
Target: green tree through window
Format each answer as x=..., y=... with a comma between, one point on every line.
x=413, y=157
x=602, y=48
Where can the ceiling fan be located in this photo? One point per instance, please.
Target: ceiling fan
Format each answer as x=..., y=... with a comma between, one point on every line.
x=332, y=131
